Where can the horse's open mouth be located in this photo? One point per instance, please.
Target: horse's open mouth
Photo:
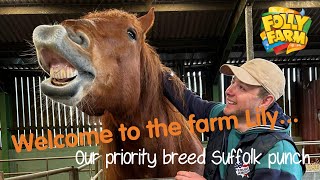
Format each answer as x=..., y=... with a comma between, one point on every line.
x=69, y=79
x=60, y=70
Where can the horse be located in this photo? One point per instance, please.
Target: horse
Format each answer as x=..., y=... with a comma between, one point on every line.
x=102, y=64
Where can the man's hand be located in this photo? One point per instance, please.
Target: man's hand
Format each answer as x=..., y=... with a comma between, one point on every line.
x=181, y=175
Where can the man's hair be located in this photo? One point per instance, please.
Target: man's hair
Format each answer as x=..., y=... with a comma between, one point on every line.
x=263, y=92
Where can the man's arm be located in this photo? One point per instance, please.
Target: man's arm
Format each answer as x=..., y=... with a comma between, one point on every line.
x=193, y=104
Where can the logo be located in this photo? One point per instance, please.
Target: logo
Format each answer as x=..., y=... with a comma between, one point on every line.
x=242, y=169
x=284, y=30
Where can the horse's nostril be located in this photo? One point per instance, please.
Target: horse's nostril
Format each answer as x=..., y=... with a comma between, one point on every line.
x=78, y=38
x=84, y=39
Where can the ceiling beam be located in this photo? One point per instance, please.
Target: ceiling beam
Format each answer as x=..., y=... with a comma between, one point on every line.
x=234, y=29
x=287, y=4
x=16, y=9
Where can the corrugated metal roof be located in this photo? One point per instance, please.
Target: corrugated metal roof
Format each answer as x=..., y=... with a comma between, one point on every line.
x=188, y=31
x=18, y=28
x=177, y=25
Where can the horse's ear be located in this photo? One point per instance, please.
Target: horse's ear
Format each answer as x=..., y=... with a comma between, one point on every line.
x=147, y=20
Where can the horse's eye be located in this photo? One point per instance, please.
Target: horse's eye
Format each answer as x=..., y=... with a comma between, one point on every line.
x=132, y=34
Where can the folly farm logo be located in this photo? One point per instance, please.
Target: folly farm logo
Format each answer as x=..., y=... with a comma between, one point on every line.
x=284, y=30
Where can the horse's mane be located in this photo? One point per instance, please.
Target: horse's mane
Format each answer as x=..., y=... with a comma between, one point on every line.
x=152, y=74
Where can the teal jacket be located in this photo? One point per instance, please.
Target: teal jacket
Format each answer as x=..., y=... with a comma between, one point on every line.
x=279, y=157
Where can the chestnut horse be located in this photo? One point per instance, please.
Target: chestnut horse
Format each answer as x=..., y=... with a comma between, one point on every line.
x=102, y=64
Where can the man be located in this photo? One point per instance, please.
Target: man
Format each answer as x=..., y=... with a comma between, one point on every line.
x=255, y=87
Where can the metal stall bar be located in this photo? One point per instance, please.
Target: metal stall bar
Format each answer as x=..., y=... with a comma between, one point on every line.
x=47, y=108
x=200, y=86
x=294, y=75
x=17, y=106
x=53, y=118
x=194, y=74
x=71, y=122
x=289, y=91
x=59, y=117
x=41, y=112
x=35, y=104
x=222, y=88
x=41, y=174
x=310, y=74
x=29, y=104
x=189, y=80
x=23, y=113
x=83, y=129
x=97, y=175
x=65, y=121
x=77, y=123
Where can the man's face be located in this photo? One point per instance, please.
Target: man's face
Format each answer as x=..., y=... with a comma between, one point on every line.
x=241, y=97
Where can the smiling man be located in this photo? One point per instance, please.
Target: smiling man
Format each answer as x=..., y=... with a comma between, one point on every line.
x=258, y=83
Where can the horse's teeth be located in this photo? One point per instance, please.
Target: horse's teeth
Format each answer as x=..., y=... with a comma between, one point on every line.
x=67, y=73
x=62, y=72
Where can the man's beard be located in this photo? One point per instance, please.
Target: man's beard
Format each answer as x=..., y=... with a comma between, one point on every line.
x=240, y=114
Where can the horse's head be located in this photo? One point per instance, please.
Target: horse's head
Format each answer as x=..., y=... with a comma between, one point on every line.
x=94, y=62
